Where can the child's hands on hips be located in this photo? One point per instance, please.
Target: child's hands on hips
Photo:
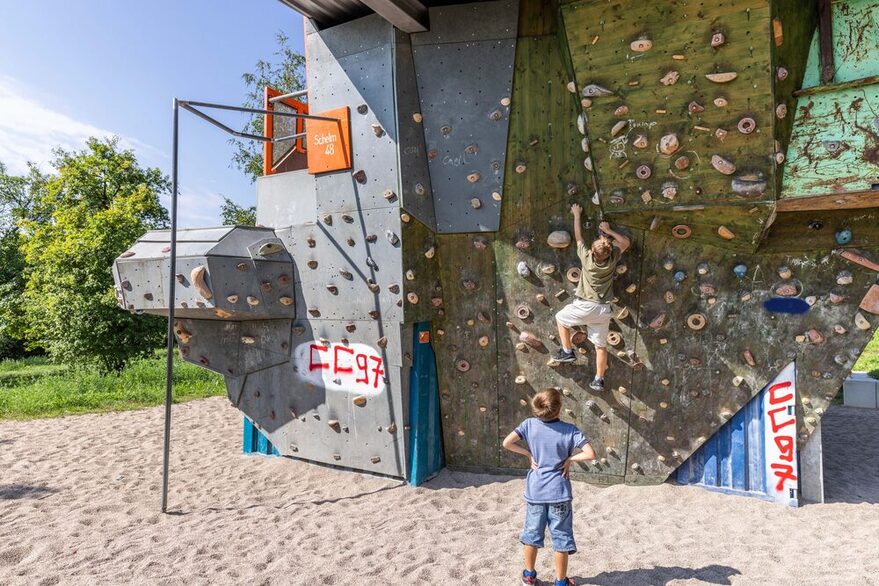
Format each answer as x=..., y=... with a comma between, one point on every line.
x=534, y=465
x=566, y=467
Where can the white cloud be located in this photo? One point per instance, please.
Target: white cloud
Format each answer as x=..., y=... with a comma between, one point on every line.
x=30, y=130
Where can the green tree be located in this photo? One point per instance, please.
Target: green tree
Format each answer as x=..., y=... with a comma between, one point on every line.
x=286, y=73
x=16, y=204
x=236, y=215
x=99, y=202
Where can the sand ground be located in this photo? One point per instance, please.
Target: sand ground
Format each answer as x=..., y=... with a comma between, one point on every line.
x=79, y=500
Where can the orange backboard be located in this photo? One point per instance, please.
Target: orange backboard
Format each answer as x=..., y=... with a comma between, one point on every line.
x=329, y=142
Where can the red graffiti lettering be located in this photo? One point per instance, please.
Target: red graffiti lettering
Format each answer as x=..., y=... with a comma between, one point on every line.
x=363, y=367
x=377, y=369
x=783, y=472
x=775, y=424
x=337, y=366
x=775, y=399
x=785, y=445
x=312, y=365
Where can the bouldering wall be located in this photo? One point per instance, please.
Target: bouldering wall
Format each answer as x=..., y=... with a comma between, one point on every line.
x=681, y=123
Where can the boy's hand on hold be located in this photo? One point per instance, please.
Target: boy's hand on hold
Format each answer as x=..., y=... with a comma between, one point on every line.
x=576, y=210
x=604, y=227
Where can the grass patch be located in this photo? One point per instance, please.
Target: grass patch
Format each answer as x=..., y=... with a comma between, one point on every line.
x=34, y=388
x=869, y=360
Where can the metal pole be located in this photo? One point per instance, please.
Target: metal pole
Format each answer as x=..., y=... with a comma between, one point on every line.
x=283, y=97
x=169, y=365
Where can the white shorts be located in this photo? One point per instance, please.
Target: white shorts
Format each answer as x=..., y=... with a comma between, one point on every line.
x=588, y=313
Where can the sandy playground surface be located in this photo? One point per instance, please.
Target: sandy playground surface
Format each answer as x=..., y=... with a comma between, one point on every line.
x=79, y=498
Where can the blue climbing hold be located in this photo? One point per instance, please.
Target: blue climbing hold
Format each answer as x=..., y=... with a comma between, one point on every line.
x=740, y=271
x=843, y=236
x=786, y=305
x=680, y=276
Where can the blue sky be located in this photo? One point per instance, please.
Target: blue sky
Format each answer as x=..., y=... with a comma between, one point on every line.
x=71, y=69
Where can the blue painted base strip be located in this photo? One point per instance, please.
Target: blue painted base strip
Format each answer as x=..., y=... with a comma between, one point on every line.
x=254, y=442
x=425, y=434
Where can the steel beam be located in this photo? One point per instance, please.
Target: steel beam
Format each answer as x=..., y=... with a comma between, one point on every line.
x=410, y=16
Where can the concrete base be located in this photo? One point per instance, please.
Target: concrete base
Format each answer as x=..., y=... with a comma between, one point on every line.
x=812, y=469
x=859, y=390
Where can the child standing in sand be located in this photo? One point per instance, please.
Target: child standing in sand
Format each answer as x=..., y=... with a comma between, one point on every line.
x=591, y=307
x=548, y=495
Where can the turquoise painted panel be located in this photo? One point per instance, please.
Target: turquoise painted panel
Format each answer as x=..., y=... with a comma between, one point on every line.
x=425, y=433
x=834, y=147
x=255, y=442
x=855, y=41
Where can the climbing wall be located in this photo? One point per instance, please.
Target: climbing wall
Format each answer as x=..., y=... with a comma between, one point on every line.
x=470, y=143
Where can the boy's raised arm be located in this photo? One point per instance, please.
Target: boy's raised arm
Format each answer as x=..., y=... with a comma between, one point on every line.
x=622, y=242
x=576, y=211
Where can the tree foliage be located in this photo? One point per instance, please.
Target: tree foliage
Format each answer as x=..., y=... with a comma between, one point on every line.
x=237, y=215
x=286, y=73
x=96, y=205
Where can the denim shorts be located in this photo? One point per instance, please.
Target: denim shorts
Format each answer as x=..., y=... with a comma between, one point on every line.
x=559, y=517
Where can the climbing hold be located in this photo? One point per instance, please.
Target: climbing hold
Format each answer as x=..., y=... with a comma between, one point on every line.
x=265, y=286
x=484, y=341
x=781, y=111
x=722, y=165
x=669, y=190
x=843, y=236
x=198, y=277
x=410, y=275
x=359, y=176
x=720, y=133
x=595, y=91
x=333, y=289
x=619, y=112
x=347, y=275
x=473, y=177
x=182, y=334
x=462, y=365
x=725, y=233
x=725, y=77
x=249, y=340
x=682, y=163
x=681, y=231
x=815, y=337
x=786, y=290
x=746, y=125
x=572, y=87
x=541, y=298
x=749, y=358
x=475, y=203
x=573, y=275
x=530, y=339
x=669, y=144
x=749, y=184
x=844, y=278
x=148, y=296
x=707, y=289
x=695, y=107
x=614, y=338
x=641, y=45
x=658, y=321
x=784, y=272
x=643, y=172
x=721, y=102
x=378, y=130
x=669, y=297
x=680, y=276
x=646, y=197
x=468, y=285
x=430, y=252
x=523, y=311
x=696, y=321
x=618, y=127
x=522, y=269
x=740, y=271
x=520, y=167
x=412, y=297
x=640, y=142
x=587, y=163
x=718, y=39
x=520, y=380
x=670, y=78
x=861, y=322
x=392, y=238
x=559, y=239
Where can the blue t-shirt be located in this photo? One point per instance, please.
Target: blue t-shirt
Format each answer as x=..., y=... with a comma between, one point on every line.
x=550, y=443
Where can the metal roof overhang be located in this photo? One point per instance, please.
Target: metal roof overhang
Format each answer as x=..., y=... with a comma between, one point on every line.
x=409, y=16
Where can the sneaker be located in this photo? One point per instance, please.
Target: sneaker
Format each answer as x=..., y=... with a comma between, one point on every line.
x=529, y=578
x=597, y=384
x=565, y=582
x=562, y=356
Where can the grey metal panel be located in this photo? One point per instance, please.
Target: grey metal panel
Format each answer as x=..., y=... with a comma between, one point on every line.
x=294, y=413
x=359, y=79
x=378, y=261
x=471, y=22
x=461, y=86
x=265, y=281
x=285, y=199
x=352, y=37
x=146, y=277
x=219, y=346
x=239, y=242
x=412, y=152
x=188, y=235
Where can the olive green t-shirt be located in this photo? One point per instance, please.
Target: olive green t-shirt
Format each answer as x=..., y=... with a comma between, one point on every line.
x=596, y=280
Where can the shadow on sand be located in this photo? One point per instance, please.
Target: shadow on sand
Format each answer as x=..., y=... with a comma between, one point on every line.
x=661, y=575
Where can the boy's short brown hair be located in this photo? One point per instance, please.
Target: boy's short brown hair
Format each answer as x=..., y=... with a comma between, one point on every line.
x=602, y=247
x=547, y=404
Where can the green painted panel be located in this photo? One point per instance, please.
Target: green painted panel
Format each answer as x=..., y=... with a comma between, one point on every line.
x=855, y=38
